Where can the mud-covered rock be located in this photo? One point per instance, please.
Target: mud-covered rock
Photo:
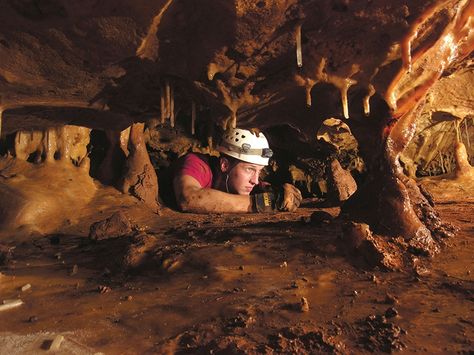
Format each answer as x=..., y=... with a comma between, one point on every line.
x=297, y=340
x=320, y=217
x=375, y=250
x=341, y=181
x=117, y=225
x=137, y=252
x=379, y=335
x=429, y=197
x=243, y=319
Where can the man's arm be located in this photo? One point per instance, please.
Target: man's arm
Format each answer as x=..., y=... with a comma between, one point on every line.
x=191, y=197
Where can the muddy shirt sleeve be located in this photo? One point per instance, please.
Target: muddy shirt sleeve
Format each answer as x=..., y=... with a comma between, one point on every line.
x=196, y=166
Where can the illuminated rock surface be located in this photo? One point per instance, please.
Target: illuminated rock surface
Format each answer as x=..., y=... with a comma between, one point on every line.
x=96, y=94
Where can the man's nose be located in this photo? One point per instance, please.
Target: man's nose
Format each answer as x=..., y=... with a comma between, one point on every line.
x=254, y=178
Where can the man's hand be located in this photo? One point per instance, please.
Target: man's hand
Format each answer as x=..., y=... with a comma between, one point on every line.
x=291, y=198
x=287, y=198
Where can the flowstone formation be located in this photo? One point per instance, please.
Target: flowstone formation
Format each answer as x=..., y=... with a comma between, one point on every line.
x=380, y=66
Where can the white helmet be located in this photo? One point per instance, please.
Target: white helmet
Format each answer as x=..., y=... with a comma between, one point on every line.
x=245, y=145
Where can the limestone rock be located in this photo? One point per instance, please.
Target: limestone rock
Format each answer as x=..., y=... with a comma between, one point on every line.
x=116, y=225
x=342, y=182
x=137, y=251
x=375, y=250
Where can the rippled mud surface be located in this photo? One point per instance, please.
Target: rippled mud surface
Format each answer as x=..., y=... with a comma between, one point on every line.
x=183, y=283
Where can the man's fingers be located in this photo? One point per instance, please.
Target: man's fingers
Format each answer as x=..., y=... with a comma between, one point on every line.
x=286, y=203
x=291, y=198
x=296, y=192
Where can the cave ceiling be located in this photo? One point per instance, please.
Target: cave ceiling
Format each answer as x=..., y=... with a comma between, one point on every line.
x=105, y=64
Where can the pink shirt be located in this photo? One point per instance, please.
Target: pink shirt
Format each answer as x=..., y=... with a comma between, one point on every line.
x=198, y=166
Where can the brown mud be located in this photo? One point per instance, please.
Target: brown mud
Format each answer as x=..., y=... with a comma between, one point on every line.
x=267, y=283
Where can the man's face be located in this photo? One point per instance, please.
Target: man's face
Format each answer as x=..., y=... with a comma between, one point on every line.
x=243, y=177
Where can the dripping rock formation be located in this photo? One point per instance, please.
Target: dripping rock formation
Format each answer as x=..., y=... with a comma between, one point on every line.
x=368, y=106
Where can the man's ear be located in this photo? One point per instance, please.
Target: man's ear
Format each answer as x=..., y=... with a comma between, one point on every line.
x=224, y=164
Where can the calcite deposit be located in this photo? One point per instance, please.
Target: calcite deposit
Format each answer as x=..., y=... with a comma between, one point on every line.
x=397, y=73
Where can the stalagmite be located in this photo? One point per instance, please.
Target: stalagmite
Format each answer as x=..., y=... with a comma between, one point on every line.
x=463, y=168
x=1, y=117
x=140, y=178
x=367, y=99
x=299, y=55
x=193, y=118
x=171, y=101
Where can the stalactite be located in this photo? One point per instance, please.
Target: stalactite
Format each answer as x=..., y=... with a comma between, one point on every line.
x=147, y=49
x=167, y=99
x=343, y=84
x=308, y=88
x=171, y=101
x=47, y=145
x=18, y=145
x=457, y=130
x=162, y=104
x=51, y=144
x=345, y=106
x=124, y=139
x=439, y=141
x=212, y=70
x=193, y=118
x=367, y=99
x=234, y=119
x=406, y=51
x=413, y=33
x=299, y=54
x=467, y=134
x=454, y=44
x=441, y=162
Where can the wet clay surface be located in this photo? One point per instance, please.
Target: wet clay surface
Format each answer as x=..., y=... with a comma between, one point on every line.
x=184, y=283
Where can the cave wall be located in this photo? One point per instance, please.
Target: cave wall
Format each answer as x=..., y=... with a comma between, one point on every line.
x=388, y=69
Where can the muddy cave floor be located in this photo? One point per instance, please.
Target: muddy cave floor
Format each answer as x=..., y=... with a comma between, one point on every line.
x=234, y=283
